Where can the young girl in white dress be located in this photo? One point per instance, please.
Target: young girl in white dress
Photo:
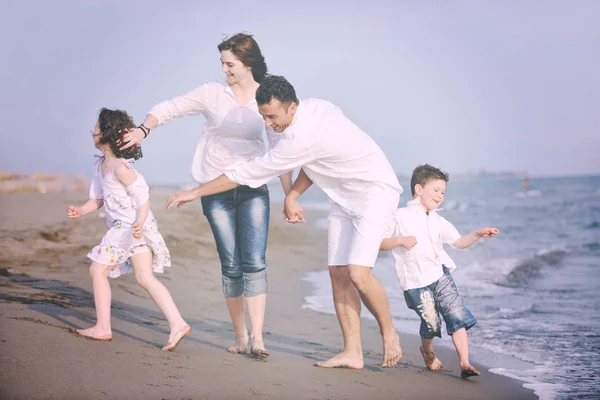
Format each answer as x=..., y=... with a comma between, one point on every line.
x=133, y=242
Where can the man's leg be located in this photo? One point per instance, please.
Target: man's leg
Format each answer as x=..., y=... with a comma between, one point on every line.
x=347, y=308
x=373, y=294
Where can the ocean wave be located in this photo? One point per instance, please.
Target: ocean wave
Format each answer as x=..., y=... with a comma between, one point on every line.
x=527, y=270
x=528, y=193
x=593, y=225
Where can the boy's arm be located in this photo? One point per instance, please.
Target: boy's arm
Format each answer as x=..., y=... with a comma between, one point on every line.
x=469, y=239
x=407, y=241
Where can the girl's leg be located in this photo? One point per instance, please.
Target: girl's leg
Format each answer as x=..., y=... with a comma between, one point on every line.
x=102, y=298
x=142, y=266
x=252, y=232
x=220, y=211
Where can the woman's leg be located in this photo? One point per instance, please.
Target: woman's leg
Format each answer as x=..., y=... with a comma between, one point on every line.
x=102, y=297
x=142, y=266
x=252, y=232
x=220, y=211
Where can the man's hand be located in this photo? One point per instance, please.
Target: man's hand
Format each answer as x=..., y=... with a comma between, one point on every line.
x=181, y=198
x=138, y=229
x=487, y=232
x=73, y=212
x=408, y=241
x=292, y=211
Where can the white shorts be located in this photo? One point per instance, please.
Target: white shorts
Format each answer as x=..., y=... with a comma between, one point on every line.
x=355, y=239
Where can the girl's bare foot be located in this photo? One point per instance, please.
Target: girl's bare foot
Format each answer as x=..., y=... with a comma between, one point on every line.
x=432, y=362
x=240, y=346
x=93, y=333
x=176, y=336
x=258, y=349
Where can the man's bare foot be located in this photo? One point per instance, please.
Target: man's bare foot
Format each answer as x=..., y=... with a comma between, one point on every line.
x=176, y=336
x=342, y=360
x=258, y=349
x=468, y=372
x=240, y=346
x=93, y=333
x=432, y=362
x=392, y=352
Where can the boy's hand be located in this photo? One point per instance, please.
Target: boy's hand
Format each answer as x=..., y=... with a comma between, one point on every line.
x=73, y=212
x=488, y=232
x=138, y=229
x=408, y=241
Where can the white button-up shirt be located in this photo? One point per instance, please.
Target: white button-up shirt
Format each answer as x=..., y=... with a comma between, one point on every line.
x=422, y=265
x=335, y=154
x=232, y=134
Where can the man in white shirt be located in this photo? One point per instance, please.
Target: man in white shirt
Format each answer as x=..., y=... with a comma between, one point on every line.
x=358, y=179
x=416, y=237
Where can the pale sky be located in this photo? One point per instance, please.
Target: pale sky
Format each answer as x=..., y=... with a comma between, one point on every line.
x=463, y=85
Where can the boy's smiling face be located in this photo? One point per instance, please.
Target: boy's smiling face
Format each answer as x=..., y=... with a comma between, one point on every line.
x=431, y=195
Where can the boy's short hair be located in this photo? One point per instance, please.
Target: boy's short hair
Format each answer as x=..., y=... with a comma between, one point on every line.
x=425, y=173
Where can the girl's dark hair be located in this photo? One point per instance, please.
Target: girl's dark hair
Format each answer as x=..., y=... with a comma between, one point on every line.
x=113, y=125
x=425, y=173
x=276, y=87
x=245, y=49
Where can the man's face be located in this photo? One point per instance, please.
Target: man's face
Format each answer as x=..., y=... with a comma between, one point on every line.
x=432, y=194
x=277, y=115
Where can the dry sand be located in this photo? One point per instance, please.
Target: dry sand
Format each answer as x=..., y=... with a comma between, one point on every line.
x=45, y=288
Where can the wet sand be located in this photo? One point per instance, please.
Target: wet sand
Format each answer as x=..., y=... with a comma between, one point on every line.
x=45, y=289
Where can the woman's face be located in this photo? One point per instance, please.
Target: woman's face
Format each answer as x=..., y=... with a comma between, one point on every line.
x=233, y=68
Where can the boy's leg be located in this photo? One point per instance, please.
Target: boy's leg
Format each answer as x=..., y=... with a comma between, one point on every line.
x=432, y=362
x=421, y=300
x=461, y=343
x=102, y=297
x=142, y=266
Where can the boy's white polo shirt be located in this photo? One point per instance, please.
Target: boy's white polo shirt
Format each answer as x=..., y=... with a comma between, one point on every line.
x=422, y=265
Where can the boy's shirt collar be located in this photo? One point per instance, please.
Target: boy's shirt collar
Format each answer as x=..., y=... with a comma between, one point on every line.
x=414, y=203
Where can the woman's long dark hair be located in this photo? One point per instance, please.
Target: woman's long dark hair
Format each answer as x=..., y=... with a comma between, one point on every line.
x=245, y=49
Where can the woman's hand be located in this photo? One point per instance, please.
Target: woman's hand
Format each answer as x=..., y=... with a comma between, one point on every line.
x=133, y=137
x=181, y=198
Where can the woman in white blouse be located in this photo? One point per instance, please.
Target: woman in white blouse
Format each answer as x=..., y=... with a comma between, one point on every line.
x=239, y=218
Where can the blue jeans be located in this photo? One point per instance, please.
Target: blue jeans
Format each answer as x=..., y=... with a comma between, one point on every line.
x=440, y=297
x=239, y=219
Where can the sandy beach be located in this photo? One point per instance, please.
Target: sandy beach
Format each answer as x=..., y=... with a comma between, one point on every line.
x=45, y=289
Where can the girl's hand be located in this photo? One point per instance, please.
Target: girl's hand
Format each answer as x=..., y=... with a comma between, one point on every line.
x=488, y=232
x=133, y=137
x=138, y=229
x=409, y=242
x=73, y=212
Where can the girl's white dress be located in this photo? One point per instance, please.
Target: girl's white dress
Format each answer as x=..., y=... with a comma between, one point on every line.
x=121, y=205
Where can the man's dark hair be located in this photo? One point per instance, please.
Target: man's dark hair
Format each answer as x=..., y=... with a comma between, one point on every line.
x=276, y=87
x=425, y=173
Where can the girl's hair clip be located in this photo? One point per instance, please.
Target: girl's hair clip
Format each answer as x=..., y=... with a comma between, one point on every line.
x=105, y=127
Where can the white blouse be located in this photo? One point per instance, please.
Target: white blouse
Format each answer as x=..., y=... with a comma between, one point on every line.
x=232, y=134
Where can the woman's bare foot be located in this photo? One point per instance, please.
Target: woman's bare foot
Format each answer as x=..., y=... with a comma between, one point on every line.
x=258, y=349
x=392, y=352
x=175, y=337
x=240, y=346
x=93, y=333
x=432, y=362
x=342, y=360
x=468, y=372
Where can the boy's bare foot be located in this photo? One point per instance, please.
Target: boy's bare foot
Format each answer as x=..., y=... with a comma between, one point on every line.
x=240, y=346
x=175, y=337
x=258, y=349
x=469, y=372
x=432, y=362
x=392, y=352
x=342, y=360
x=93, y=333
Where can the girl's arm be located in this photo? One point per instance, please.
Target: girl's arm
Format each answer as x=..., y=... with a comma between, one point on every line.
x=407, y=241
x=138, y=227
x=90, y=206
x=128, y=177
x=469, y=239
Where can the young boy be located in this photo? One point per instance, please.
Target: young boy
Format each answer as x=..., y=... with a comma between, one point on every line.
x=416, y=237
